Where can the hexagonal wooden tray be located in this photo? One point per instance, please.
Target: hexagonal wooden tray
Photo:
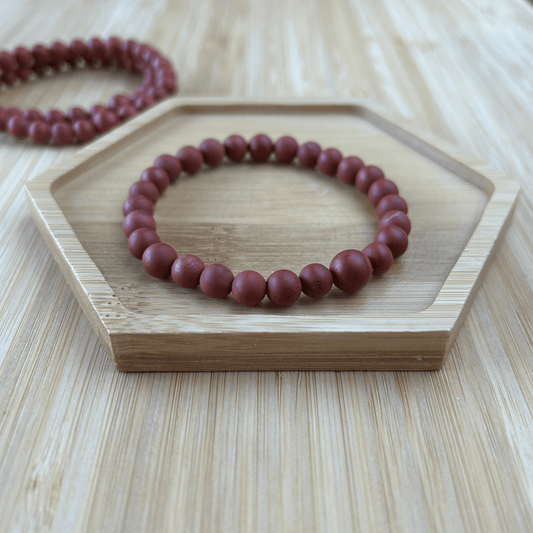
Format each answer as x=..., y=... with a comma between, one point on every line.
x=266, y=217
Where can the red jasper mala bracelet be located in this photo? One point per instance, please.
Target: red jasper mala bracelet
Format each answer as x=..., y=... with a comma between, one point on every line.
x=77, y=124
x=349, y=270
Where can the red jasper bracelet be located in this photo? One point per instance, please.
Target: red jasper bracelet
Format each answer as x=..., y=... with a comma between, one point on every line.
x=77, y=124
x=349, y=270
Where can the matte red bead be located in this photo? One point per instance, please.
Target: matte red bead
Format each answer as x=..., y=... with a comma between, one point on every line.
x=395, y=238
x=77, y=113
x=145, y=188
x=6, y=113
x=10, y=78
x=157, y=93
x=78, y=49
x=348, y=169
x=143, y=101
x=60, y=52
x=18, y=127
x=366, y=176
x=33, y=115
x=328, y=161
x=283, y=287
x=23, y=73
x=171, y=164
x=54, y=116
x=285, y=149
x=138, y=203
x=41, y=54
x=84, y=130
x=216, y=280
x=113, y=47
x=62, y=133
x=351, y=270
x=158, y=176
x=191, y=159
x=395, y=218
x=158, y=258
x=186, y=271
x=380, y=257
x=316, y=280
x=117, y=101
x=105, y=120
x=260, y=147
x=97, y=108
x=23, y=56
x=379, y=189
x=97, y=49
x=236, y=148
x=213, y=152
x=308, y=154
x=40, y=132
x=136, y=220
x=140, y=239
x=248, y=287
x=392, y=202
x=126, y=112
x=8, y=62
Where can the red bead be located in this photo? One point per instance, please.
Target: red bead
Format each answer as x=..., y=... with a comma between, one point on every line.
x=236, y=148
x=145, y=188
x=113, y=47
x=171, y=164
x=32, y=115
x=395, y=238
x=191, y=159
x=283, y=287
x=8, y=62
x=143, y=101
x=158, y=258
x=78, y=50
x=18, y=127
x=216, y=280
x=157, y=93
x=260, y=148
x=348, y=169
x=395, y=218
x=62, y=133
x=105, y=120
x=285, y=149
x=42, y=55
x=77, y=113
x=140, y=239
x=249, y=287
x=126, y=112
x=6, y=113
x=23, y=56
x=54, y=116
x=23, y=73
x=328, y=161
x=117, y=101
x=212, y=151
x=308, y=154
x=136, y=220
x=9, y=79
x=59, y=52
x=380, y=257
x=97, y=108
x=84, y=130
x=97, y=49
x=316, y=280
x=138, y=203
x=158, y=176
x=366, y=176
x=351, y=270
x=392, y=202
x=186, y=271
x=40, y=132
x=379, y=189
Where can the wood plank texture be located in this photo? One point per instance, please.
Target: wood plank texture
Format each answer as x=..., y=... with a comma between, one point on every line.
x=86, y=448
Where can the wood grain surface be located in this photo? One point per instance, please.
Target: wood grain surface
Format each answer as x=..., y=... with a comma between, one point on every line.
x=86, y=448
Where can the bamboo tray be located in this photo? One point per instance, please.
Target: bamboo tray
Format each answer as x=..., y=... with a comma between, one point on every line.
x=266, y=217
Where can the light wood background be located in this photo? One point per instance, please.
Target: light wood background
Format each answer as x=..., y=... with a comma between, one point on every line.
x=85, y=448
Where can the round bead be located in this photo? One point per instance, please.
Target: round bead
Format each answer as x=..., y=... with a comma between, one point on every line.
x=62, y=133
x=138, y=203
x=8, y=62
x=23, y=73
x=393, y=237
x=158, y=176
x=113, y=47
x=77, y=113
x=351, y=270
x=40, y=132
x=379, y=189
x=308, y=153
x=140, y=239
x=96, y=48
x=248, y=287
x=158, y=258
x=216, y=280
x=60, y=52
x=33, y=115
x=18, y=127
x=328, y=161
x=316, y=280
x=143, y=101
x=366, y=176
x=236, y=148
x=186, y=271
x=191, y=159
x=6, y=113
x=97, y=108
x=260, y=147
x=395, y=218
x=212, y=151
x=283, y=287
x=118, y=100
x=105, y=120
x=392, y=202
x=136, y=220
x=84, y=130
x=171, y=164
x=145, y=188
x=54, y=116
x=348, y=169
x=41, y=54
x=285, y=149
x=126, y=112
x=78, y=50
x=380, y=257
x=23, y=56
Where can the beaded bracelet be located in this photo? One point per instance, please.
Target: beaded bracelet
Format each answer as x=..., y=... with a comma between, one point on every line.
x=349, y=270
x=159, y=81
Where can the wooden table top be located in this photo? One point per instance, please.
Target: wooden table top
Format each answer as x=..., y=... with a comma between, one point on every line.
x=86, y=448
